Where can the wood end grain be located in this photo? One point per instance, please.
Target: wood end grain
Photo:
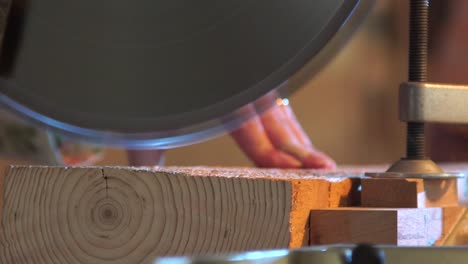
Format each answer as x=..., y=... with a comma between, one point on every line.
x=109, y=215
x=131, y=215
x=3, y=173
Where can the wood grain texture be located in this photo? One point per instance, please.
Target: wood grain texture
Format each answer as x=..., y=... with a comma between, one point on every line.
x=345, y=193
x=94, y=215
x=131, y=215
x=3, y=172
x=456, y=230
x=310, y=189
x=318, y=193
x=408, y=227
x=452, y=216
x=409, y=193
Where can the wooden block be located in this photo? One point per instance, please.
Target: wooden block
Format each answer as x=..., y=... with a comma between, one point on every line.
x=408, y=227
x=455, y=227
x=409, y=193
x=452, y=216
x=129, y=215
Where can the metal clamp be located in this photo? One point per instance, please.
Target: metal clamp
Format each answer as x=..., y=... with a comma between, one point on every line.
x=432, y=102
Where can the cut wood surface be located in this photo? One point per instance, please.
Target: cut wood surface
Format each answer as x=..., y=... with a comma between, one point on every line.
x=408, y=227
x=310, y=189
x=130, y=215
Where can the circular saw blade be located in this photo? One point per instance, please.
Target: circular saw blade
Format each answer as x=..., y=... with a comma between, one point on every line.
x=159, y=74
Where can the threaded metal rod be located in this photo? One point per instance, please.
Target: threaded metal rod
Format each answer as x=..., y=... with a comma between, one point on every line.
x=415, y=141
x=417, y=71
x=418, y=40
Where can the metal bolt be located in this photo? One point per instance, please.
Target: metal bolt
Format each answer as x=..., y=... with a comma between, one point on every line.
x=417, y=71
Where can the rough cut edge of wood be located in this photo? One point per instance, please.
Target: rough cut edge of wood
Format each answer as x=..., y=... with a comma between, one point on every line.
x=346, y=171
x=305, y=196
x=258, y=173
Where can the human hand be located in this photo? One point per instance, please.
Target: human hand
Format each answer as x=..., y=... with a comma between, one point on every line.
x=276, y=139
x=273, y=139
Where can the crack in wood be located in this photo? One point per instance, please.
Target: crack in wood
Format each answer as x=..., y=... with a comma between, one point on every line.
x=105, y=181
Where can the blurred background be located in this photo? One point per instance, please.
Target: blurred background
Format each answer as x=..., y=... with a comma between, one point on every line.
x=349, y=109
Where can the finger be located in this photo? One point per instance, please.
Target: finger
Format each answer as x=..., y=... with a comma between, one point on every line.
x=278, y=129
x=296, y=126
x=319, y=160
x=152, y=157
x=287, y=135
x=315, y=159
x=253, y=140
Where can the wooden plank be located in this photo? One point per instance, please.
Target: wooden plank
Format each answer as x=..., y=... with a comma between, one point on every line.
x=452, y=215
x=409, y=193
x=2, y=180
x=409, y=227
x=310, y=189
x=128, y=215
x=107, y=215
x=3, y=172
